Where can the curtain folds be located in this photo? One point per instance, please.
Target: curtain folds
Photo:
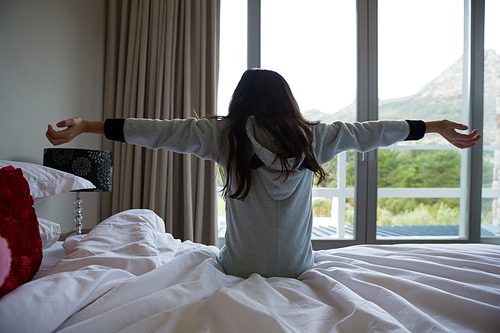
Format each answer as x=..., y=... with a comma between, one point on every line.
x=162, y=63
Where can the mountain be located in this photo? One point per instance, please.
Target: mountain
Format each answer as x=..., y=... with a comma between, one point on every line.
x=438, y=99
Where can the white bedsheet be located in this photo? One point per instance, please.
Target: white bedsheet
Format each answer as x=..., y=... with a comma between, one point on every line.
x=51, y=257
x=127, y=275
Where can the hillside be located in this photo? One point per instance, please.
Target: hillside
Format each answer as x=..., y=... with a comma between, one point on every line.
x=440, y=98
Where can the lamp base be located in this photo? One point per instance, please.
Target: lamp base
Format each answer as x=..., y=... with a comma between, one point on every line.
x=78, y=211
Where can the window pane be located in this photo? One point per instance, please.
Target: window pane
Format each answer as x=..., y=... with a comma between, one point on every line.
x=232, y=50
x=420, y=77
x=232, y=64
x=418, y=218
x=490, y=215
x=314, y=47
x=326, y=222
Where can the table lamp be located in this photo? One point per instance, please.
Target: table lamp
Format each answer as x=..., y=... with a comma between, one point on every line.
x=94, y=165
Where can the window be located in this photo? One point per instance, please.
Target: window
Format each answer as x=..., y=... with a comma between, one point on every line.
x=232, y=64
x=367, y=59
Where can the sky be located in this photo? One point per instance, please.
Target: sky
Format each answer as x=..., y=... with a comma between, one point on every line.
x=314, y=46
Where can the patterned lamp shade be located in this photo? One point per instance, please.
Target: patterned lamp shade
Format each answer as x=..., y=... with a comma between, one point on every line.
x=94, y=165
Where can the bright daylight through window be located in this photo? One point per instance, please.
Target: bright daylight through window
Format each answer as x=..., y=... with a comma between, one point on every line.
x=420, y=75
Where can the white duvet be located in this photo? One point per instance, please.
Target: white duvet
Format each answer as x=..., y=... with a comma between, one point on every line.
x=128, y=275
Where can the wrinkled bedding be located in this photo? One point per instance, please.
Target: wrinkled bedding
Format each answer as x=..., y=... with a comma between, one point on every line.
x=128, y=275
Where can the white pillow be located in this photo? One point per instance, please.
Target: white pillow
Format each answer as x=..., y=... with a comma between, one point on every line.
x=45, y=182
x=49, y=232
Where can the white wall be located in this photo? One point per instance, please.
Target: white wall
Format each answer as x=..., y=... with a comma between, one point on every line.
x=51, y=68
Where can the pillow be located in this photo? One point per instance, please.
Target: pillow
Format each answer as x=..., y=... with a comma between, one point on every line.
x=49, y=232
x=45, y=182
x=19, y=226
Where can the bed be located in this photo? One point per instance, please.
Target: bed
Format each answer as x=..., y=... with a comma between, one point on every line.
x=129, y=275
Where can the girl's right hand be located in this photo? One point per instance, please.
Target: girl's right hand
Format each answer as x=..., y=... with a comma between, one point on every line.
x=74, y=127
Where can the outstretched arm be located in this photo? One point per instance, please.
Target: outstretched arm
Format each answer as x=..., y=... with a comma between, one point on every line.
x=74, y=127
x=448, y=130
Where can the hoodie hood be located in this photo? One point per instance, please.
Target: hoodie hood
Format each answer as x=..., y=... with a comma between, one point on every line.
x=269, y=173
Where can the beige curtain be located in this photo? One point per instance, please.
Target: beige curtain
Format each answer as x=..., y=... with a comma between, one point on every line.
x=162, y=62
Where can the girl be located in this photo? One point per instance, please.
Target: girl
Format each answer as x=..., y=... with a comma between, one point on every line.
x=270, y=154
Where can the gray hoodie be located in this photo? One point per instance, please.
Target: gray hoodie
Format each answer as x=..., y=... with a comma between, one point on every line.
x=268, y=232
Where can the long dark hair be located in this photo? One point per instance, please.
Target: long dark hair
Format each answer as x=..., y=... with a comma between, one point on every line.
x=267, y=96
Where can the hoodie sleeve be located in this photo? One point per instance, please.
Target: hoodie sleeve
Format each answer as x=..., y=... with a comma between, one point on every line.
x=331, y=139
x=195, y=136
